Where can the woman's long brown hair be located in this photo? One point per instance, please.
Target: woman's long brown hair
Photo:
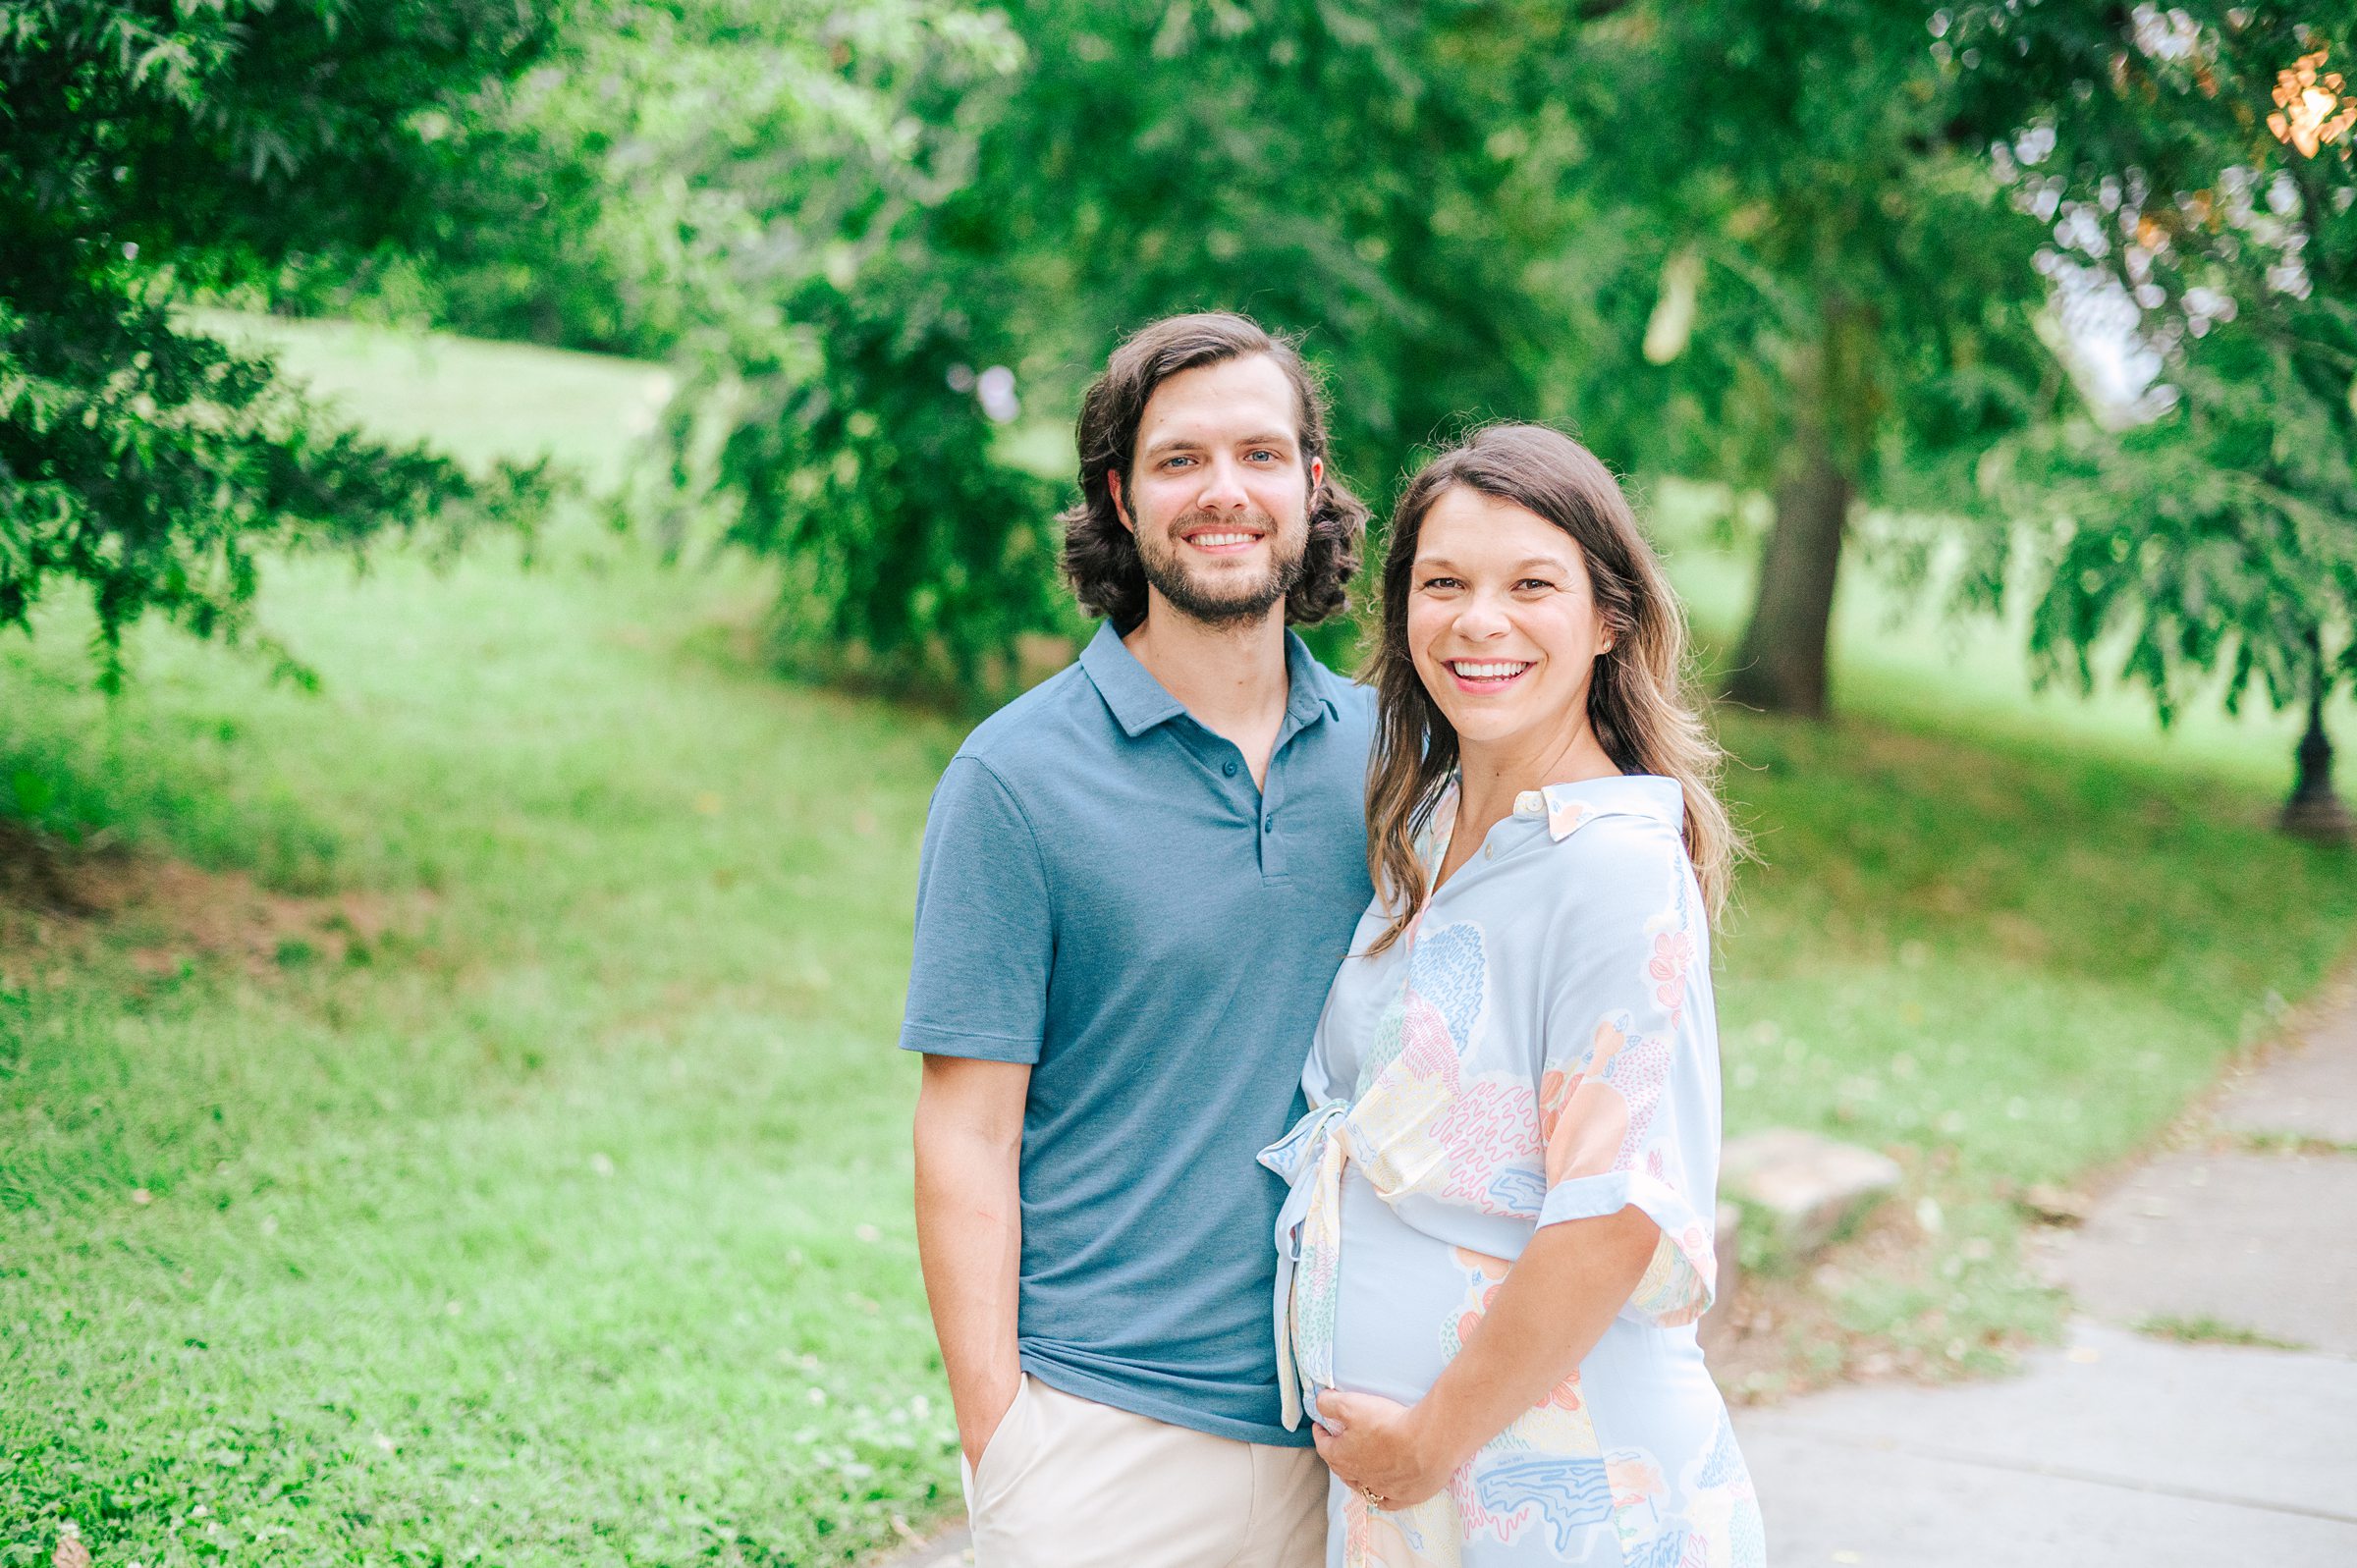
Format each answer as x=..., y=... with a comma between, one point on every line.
x=1641, y=698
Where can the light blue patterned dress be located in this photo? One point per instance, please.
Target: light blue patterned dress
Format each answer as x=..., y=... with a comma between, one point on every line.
x=1540, y=1047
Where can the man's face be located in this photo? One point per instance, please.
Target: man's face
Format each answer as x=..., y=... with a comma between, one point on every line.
x=1218, y=493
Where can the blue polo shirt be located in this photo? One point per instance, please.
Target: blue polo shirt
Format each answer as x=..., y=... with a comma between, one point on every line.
x=1105, y=895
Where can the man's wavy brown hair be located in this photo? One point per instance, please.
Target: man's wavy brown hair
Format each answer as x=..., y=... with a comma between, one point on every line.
x=1100, y=555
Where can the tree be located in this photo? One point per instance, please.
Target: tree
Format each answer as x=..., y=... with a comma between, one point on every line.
x=1827, y=295
x=2213, y=540
x=1384, y=178
x=842, y=218
x=1727, y=239
x=151, y=148
x=741, y=187
x=825, y=344
x=2198, y=164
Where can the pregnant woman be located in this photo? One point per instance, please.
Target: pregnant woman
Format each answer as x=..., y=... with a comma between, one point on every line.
x=1499, y=1234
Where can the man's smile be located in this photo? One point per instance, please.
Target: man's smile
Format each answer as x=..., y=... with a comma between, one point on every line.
x=1224, y=541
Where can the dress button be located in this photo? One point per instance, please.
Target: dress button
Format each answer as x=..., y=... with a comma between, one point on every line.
x=1228, y=768
x=1270, y=824
x=1530, y=803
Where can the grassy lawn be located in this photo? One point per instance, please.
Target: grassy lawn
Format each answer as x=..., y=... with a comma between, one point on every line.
x=529, y=1184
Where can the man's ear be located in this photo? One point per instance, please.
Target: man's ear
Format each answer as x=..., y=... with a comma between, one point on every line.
x=1317, y=473
x=1113, y=487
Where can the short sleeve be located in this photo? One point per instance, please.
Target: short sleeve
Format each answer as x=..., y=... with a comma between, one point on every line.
x=1629, y=1090
x=985, y=931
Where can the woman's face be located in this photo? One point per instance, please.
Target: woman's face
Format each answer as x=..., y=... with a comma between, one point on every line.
x=1502, y=623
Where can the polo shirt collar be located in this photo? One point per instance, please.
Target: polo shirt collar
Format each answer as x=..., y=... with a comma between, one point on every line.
x=1309, y=685
x=1139, y=702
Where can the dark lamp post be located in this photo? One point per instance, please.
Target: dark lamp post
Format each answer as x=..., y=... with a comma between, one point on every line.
x=2314, y=811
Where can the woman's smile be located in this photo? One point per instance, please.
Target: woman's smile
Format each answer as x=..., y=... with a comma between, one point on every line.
x=1478, y=678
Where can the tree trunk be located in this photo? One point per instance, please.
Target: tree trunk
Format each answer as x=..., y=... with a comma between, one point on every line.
x=2314, y=811
x=1781, y=665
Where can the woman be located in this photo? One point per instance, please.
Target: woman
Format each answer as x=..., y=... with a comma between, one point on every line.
x=1499, y=1236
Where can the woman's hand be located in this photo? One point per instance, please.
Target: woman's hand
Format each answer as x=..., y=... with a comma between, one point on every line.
x=1554, y=1304
x=1378, y=1446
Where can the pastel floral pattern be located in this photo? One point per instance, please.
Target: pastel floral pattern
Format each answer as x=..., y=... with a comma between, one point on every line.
x=1540, y=1047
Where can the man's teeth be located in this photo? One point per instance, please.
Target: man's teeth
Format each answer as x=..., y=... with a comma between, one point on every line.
x=1213, y=541
x=1489, y=672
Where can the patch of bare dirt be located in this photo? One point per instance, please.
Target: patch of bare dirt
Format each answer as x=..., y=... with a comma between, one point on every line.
x=1780, y=1336
x=61, y=905
x=1785, y=1335
x=33, y=873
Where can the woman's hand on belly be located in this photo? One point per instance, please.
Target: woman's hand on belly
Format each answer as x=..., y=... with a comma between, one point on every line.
x=1378, y=1446
x=1554, y=1304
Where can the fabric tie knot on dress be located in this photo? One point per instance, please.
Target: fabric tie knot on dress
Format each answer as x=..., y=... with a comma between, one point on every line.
x=1309, y=1232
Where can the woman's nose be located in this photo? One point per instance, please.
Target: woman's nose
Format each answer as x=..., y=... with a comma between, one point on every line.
x=1481, y=618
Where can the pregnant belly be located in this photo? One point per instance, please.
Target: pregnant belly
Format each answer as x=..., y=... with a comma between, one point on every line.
x=1403, y=1298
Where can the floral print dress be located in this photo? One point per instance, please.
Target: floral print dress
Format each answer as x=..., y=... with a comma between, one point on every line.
x=1540, y=1047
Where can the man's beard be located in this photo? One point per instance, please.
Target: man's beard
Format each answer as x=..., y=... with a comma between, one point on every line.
x=1223, y=604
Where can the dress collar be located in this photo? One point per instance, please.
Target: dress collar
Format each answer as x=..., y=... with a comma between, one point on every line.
x=1567, y=808
x=1570, y=807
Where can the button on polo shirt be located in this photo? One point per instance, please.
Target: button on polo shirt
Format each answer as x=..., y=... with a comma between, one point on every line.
x=1105, y=894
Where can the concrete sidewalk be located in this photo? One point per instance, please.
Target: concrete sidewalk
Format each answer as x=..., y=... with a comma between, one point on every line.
x=2122, y=1448
x=2119, y=1449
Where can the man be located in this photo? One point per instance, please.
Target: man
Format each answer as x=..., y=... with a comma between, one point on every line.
x=1137, y=881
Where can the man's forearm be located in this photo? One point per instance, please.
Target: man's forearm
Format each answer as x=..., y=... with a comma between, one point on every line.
x=969, y=1239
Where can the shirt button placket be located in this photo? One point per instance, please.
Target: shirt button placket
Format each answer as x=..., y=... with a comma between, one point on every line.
x=1272, y=848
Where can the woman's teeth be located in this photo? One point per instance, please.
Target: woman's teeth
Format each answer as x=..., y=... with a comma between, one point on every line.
x=1488, y=672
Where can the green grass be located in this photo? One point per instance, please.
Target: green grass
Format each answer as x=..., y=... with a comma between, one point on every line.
x=478, y=400
x=2208, y=1331
x=568, y=1221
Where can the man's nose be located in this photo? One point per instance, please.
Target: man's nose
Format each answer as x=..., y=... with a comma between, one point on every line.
x=1223, y=487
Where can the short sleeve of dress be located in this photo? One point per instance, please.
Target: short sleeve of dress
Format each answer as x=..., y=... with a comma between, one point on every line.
x=1628, y=1101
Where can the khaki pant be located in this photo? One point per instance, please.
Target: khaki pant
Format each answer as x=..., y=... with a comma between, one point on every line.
x=1067, y=1483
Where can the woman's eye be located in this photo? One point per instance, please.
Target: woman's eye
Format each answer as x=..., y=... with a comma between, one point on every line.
x=1440, y=582
x=1534, y=582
